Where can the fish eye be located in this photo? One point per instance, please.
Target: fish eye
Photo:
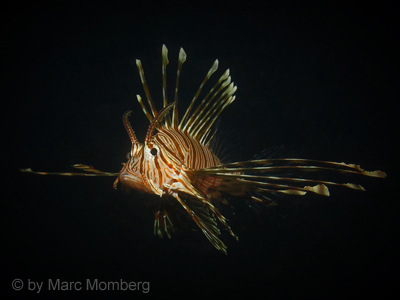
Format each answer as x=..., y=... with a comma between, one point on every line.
x=128, y=156
x=153, y=151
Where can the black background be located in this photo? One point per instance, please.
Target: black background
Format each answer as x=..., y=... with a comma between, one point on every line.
x=319, y=79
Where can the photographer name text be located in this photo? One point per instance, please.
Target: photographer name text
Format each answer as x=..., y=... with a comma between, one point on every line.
x=88, y=285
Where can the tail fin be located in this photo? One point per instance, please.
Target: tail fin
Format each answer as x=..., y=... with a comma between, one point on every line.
x=268, y=175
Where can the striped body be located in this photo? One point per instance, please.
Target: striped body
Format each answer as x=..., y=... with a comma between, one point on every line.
x=176, y=163
x=165, y=172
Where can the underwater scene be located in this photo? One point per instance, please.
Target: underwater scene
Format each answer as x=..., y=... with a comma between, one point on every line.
x=266, y=169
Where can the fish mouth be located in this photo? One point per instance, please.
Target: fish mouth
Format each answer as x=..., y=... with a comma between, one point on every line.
x=134, y=181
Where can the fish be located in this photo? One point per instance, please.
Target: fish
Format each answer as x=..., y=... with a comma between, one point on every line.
x=176, y=161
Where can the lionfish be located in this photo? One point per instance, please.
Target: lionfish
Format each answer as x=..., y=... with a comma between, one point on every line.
x=176, y=161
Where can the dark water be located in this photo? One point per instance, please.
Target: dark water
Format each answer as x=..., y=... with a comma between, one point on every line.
x=316, y=80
